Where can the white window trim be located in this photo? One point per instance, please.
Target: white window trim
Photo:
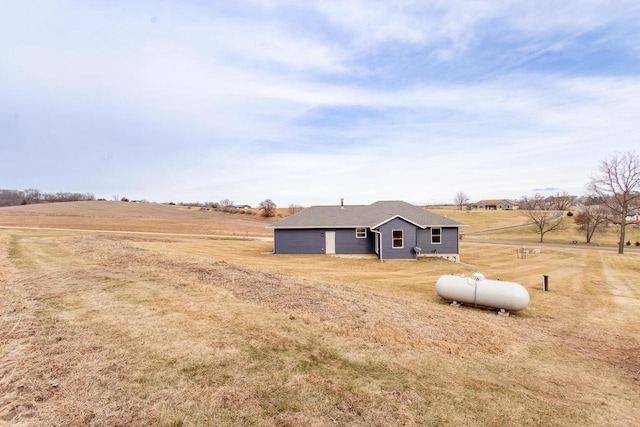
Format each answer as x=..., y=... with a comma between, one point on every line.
x=365, y=232
x=393, y=240
x=436, y=243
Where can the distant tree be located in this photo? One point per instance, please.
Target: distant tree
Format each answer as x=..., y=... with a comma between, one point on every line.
x=293, y=208
x=124, y=199
x=617, y=184
x=528, y=202
x=543, y=218
x=562, y=201
x=11, y=197
x=31, y=196
x=268, y=208
x=460, y=199
x=226, y=205
x=531, y=202
x=592, y=219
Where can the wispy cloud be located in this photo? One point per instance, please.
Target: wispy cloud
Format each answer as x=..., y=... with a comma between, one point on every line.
x=309, y=101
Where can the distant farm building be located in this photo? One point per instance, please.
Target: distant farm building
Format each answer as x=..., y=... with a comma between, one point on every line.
x=497, y=204
x=389, y=229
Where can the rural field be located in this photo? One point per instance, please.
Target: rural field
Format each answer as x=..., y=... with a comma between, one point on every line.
x=146, y=314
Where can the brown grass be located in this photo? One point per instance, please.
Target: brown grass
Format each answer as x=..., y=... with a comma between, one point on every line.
x=482, y=220
x=142, y=217
x=477, y=219
x=104, y=329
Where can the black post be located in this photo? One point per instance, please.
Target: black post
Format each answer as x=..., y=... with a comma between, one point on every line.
x=545, y=282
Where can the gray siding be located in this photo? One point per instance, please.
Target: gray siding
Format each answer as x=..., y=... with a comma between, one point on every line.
x=449, y=239
x=312, y=241
x=388, y=252
x=347, y=243
x=298, y=241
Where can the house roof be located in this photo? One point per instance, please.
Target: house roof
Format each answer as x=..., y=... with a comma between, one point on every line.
x=370, y=216
x=492, y=202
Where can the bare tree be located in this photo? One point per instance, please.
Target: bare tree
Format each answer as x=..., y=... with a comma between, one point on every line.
x=460, y=199
x=226, y=205
x=543, y=218
x=562, y=201
x=617, y=185
x=11, y=197
x=591, y=219
x=293, y=208
x=268, y=208
x=32, y=195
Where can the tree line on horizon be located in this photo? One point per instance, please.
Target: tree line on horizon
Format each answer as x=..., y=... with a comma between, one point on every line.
x=267, y=207
x=32, y=196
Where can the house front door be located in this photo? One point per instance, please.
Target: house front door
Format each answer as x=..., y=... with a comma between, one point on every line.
x=330, y=242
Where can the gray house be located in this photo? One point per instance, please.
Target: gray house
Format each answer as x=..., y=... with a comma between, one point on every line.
x=391, y=230
x=497, y=204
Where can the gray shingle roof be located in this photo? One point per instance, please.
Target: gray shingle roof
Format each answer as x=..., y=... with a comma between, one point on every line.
x=369, y=216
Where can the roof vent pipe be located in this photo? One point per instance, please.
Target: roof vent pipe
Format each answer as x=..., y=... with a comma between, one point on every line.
x=341, y=203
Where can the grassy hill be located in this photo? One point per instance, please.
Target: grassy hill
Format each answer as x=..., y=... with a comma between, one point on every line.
x=495, y=225
x=143, y=217
x=181, y=330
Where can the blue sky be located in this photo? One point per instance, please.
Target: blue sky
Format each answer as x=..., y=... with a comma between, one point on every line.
x=307, y=102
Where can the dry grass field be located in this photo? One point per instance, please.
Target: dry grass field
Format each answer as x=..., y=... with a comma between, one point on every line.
x=144, y=217
x=108, y=329
x=480, y=220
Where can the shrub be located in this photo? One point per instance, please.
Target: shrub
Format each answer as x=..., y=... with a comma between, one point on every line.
x=637, y=243
x=268, y=208
x=628, y=243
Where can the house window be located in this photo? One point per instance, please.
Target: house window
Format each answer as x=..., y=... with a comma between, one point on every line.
x=436, y=236
x=397, y=241
x=361, y=233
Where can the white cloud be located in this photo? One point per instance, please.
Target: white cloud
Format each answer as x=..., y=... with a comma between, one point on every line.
x=247, y=102
x=452, y=27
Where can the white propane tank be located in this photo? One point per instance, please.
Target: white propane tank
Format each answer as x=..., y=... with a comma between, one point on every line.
x=480, y=291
